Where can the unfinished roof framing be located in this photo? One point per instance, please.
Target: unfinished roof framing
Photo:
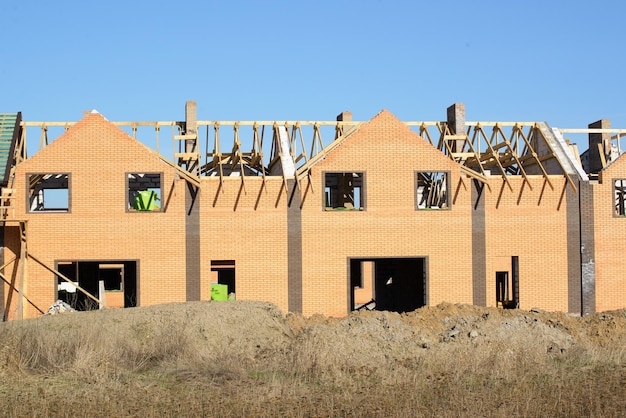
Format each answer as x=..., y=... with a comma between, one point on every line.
x=289, y=149
x=266, y=148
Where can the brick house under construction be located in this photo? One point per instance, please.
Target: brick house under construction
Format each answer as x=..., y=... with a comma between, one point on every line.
x=388, y=215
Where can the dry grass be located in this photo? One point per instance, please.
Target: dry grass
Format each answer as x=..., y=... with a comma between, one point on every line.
x=247, y=359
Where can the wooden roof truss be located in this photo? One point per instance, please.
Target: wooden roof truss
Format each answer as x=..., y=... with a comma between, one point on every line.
x=262, y=134
x=496, y=148
x=486, y=148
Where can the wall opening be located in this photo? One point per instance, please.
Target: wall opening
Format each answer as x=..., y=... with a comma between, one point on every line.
x=343, y=191
x=388, y=284
x=48, y=192
x=144, y=192
x=503, y=288
x=507, y=286
x=432, y=190
x=225, y=270
x=119, y=279
x=619, y=188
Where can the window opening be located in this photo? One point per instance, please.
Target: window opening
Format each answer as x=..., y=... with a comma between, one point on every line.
x=49, y=192
x=432, y=190
x=113, y=276
x=620, y=197
x=343, y=191
x=144, y=192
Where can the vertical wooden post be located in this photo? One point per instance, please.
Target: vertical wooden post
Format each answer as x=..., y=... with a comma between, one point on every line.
x=101, y=294
x=191, y=128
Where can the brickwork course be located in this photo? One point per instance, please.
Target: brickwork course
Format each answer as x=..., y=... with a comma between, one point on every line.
x=538, y=240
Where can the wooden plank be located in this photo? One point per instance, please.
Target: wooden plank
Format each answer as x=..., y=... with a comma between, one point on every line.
x=183, y=173
x=473, y=123
x=477, y=176
x=455, y=137
x=463, y=154
x=187, y=155
x=281, y=123
x=593, y=131
x=89, y=295
x=188, y=137
x=4, y=279
x=602, y=156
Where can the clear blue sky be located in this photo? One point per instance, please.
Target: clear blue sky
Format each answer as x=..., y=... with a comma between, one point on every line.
x=550, y=60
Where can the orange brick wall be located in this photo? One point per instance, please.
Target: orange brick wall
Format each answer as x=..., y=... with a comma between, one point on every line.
x=97, y=156
x=298, y=258
x=530, y=224
x=389, y=154
x=610, y=241
x=246, y=222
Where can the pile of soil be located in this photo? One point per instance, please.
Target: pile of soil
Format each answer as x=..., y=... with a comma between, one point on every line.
x=371, y=337
x=252, y=359
x=249, y=327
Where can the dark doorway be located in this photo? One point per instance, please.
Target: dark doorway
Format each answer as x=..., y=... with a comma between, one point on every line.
x=225, y=270
x=399, y=284
x=502, y=287
x=507, y=286
x=119, y=277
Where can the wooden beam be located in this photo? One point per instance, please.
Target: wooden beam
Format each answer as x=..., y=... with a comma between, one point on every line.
x=602, y=156
x=185, y=137
x=187, y=155
x=62, y=276
x=21, y=295
x=477, y=176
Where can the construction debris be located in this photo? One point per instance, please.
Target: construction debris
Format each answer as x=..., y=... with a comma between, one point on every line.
x=59, y=307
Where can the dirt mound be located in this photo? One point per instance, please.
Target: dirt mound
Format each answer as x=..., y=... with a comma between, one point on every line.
x=432, y=326
x=488, y=337
x=249, y=327
x=164, y=336
x=251, y=359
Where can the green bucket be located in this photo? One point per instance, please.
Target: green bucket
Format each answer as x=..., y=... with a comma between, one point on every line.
x=145, y=200
x=219, y=292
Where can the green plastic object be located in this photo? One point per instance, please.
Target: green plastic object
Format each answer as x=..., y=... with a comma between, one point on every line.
x=219, y=292
x=146, y=200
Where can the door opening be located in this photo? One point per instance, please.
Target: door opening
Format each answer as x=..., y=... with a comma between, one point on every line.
x=225, y=270
x=119, y=281
x=388, y=284
x=507, y=286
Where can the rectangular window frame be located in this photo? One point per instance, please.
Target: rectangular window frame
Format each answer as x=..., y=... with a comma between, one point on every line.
x=432, y=201
x=55, y=181
x=356, y=199
x=619, y=198
x=151, y=200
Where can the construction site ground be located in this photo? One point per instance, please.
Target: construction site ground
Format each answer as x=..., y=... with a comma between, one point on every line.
x=250, y=359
